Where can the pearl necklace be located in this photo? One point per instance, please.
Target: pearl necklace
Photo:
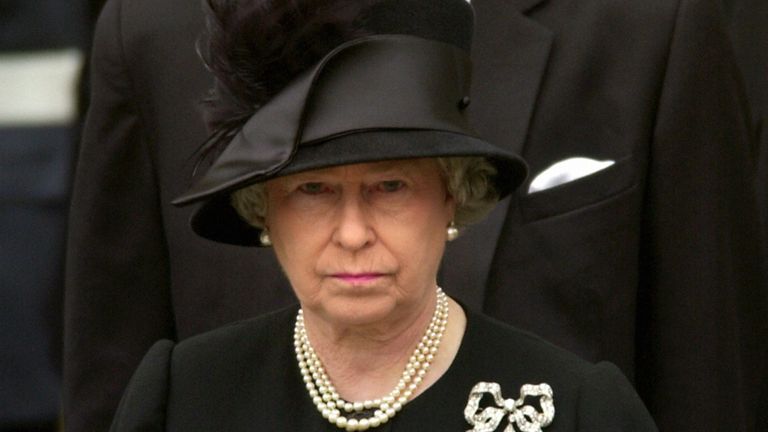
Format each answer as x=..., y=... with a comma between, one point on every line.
x=331, y=405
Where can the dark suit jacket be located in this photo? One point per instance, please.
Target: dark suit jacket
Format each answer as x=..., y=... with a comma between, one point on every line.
x=245, y=374
x=748, y=23
x=651, y=264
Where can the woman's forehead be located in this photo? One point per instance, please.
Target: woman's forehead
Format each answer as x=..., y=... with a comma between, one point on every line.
x=422, y=166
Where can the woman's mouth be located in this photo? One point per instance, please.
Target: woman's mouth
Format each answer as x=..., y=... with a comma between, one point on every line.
x=357, y=277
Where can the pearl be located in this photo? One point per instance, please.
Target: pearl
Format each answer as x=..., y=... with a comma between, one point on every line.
x=352, y=424
x=326, y=398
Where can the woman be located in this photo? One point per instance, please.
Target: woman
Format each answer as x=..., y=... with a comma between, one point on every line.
x=341, y=141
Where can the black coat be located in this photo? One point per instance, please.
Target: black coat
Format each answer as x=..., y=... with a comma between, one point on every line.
x=651, y=264
x=748, y=22
x=244, y=377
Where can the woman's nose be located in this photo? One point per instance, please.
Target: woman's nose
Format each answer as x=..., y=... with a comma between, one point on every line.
x=354, y=230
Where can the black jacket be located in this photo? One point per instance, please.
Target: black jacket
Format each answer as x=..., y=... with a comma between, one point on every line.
x=245, y=377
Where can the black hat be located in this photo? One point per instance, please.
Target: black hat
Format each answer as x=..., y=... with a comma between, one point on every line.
x=399, y=91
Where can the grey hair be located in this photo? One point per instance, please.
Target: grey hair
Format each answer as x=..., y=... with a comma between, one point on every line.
x=469, y=180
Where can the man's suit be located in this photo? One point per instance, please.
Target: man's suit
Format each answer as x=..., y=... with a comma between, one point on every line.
x=626, y=265
x=652, y=263
x=748, y=23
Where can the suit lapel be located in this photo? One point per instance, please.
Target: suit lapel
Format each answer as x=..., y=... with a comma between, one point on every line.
x=525, y=6
x=510, y=54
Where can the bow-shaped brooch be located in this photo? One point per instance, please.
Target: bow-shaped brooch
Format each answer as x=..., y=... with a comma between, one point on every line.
x=525, y=417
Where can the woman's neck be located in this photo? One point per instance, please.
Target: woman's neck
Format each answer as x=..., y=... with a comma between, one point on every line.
x=367, y=363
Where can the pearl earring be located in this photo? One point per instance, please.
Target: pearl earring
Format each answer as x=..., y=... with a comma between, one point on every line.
x=264, y=238
x=452, y=233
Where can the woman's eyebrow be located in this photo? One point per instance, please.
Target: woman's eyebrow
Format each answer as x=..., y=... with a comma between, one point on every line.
x=393, y=168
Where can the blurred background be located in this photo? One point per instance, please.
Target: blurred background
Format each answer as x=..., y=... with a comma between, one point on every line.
x=42, y=53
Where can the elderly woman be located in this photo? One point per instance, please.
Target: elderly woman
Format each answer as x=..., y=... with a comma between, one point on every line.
x=340, y=140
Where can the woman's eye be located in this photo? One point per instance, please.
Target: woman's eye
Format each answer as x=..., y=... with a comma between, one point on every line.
x=314, y=188
x=391, y=185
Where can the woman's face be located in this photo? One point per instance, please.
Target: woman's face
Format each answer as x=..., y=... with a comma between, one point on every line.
x=361, y=243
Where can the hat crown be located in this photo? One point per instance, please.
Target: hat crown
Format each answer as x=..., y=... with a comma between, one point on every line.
x=448, y=21
x=256, y=48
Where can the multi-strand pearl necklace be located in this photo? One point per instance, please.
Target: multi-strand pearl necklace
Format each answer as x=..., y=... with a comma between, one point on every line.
x=331, y=405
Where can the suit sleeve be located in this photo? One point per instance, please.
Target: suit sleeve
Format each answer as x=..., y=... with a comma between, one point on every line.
x=116, y=293
x=144, y=403
x=608, y=402
x=702, y=309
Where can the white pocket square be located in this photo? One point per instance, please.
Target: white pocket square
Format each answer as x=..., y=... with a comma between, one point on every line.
x=567, y=170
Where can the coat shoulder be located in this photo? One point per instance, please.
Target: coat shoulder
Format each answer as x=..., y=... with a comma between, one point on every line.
x=587, y=396
x=259, y=332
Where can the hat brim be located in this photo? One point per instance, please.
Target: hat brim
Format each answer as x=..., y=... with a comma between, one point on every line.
x=217, y=220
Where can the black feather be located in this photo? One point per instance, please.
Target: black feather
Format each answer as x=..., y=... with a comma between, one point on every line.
x=254, y=48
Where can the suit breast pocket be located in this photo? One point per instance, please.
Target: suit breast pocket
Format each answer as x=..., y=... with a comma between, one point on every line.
x=583, y=192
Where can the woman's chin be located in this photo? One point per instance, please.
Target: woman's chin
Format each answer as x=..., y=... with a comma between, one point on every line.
x=357, y=310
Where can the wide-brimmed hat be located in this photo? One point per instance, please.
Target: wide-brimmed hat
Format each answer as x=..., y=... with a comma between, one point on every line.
x=399, y=92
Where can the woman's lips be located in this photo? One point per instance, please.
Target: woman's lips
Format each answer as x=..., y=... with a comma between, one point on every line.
x=357, y=277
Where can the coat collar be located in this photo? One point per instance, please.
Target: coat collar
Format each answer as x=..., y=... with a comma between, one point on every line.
x=510, y=55
x=525, y=5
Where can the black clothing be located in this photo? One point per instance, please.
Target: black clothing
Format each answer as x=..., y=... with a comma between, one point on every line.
x=244, y=377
